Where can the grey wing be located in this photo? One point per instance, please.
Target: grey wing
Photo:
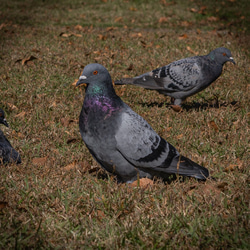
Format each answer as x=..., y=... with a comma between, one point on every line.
x=147, y=151
x=139, y=143
x=182, y=75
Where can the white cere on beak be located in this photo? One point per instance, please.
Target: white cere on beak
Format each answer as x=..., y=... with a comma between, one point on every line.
x=82, y=77
x=231, y=58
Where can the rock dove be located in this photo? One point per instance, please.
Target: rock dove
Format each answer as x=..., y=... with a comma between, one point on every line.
x=7, y=153
x=185, y=77
x=120, y=140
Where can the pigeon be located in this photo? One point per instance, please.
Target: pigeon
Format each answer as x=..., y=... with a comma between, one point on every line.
x=7, y=153
x=185, y=77
x=120, y=140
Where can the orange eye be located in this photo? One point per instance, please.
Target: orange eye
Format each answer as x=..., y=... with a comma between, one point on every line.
x=224, y=54
x=95, y=72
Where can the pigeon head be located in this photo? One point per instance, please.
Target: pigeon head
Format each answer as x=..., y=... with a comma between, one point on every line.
x=98, y=80
x=94, y=73
x=221, y=55
x=2, y=118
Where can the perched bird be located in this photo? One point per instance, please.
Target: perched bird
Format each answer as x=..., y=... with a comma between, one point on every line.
x=120, y=140
x=7, y=153
x=185, y=77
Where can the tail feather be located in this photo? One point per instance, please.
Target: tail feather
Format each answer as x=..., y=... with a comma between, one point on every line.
x=186, y=167
x=144, y=81
x=180, y=165
x=124, y=81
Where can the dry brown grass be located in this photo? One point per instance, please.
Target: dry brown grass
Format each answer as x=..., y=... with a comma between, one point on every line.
x=57, y=197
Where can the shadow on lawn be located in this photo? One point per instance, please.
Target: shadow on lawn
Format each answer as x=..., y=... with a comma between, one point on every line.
x=215, y=103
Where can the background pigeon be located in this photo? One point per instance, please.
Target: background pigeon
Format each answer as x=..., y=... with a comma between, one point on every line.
x=185, y=77
x=120, y=140
x=7, y=153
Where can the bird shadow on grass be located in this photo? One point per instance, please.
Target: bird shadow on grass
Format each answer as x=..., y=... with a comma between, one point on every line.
x=101, y=174
x=215, y=103
x=207, y=105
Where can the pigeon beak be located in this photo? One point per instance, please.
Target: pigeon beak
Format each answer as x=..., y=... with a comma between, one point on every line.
x=82, y=80
x=5, y=123
x=232, y=60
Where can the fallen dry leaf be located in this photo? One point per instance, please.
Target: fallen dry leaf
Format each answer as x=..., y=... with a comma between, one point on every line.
x=132, y=9
x=20, y=135
x=77, y=35
x=184, y=36
x=179, y=136
x=143, y=183
x=190, y=50
x=118, y=19
x=62, y=34
x=193, y=10
x=65, y=121
x=35, y=50
x=212, y=19
x=2, y=25
x=70, y=166
x=102, y=37
x=202, y=10
x=110, y=28
x=3, y=204
x=222, y=186
x=130, y=67
x=185, y=23
x=164, y=2
x=72, y=140
x=239, y=163
x=17, y=134
x=39, y=161
x=53, y=104
x=210, y=189
x=139, y=34
x=198, y=31
x=163, y=19
x=176, y=108
x=11, y=106
x=213, y=125
x=79, y=27
x=206, y=189
x=97, y=52
x=21, y=115
x=145, y=45
x=26, y=60
x=100, y=214
x=231, y=167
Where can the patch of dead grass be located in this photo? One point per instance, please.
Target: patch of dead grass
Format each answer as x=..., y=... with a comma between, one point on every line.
x=58, y=197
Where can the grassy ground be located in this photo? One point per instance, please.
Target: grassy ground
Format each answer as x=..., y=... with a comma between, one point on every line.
x=58, y=197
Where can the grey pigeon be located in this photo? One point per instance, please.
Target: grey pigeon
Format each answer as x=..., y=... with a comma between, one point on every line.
x=185, y=77
x=120, y=140
x=7, y=153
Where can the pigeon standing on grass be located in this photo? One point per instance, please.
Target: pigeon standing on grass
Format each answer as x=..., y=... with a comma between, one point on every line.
x=185, y=77
x=120, y=140
x=7, y=153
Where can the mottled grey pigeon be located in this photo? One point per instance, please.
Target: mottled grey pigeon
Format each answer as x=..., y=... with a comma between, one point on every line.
x=7, y=153
x=120, y=140
x=185, y=77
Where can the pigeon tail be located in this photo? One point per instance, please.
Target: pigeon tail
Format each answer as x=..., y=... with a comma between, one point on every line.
x=124, y=81
x=183, y=166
